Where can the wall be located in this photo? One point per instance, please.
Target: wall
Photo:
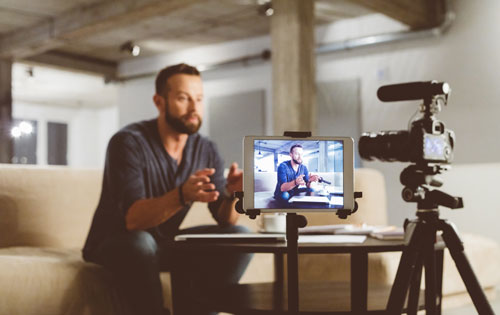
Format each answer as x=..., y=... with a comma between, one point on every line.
x=83, y=101
x=467, y=57
x=89, y=130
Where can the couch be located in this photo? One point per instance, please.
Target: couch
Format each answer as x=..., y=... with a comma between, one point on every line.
x=45, y=213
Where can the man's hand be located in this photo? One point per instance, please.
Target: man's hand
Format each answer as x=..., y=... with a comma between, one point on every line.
x=313, y=178
x=199, y=188
x=234, y=179
x=300, y=180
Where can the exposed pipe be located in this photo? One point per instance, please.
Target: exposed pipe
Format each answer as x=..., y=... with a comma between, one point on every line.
x=349, y=44
x=375, y=40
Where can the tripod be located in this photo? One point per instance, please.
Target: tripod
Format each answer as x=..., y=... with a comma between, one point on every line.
x=420, y=238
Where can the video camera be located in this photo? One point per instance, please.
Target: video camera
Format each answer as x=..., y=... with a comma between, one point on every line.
x=427, y=144
x=426, y=141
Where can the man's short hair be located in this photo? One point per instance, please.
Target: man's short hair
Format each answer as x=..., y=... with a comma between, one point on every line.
x=295, y=146
x=167, y=72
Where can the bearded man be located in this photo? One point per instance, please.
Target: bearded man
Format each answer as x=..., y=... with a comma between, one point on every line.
x=154, y=171
x=293, y=176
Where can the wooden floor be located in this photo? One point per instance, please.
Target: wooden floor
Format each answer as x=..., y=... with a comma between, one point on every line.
x=325, y=297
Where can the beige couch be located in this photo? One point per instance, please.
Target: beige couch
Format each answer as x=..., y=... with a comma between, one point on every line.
x=45, y=213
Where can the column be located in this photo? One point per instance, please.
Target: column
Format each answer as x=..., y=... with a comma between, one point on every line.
x=6, y=143
x=293, y=66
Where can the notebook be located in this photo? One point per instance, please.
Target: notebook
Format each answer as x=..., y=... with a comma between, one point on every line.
x=311, y=199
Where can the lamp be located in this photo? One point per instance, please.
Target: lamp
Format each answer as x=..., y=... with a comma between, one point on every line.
x=259, y=155
x=131, y=48
x=265, y=7
x=24, y=127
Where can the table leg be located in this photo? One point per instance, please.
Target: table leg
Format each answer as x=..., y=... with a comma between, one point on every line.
x=359, y=282
x=174, y=283
x=279, y=281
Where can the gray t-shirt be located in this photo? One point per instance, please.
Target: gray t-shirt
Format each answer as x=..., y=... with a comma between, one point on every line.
x=138, y=167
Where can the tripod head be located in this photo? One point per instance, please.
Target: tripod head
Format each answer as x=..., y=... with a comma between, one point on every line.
x=417, y=177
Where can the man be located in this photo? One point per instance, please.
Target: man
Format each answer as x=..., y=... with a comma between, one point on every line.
x=154, y=171
x=293, y=174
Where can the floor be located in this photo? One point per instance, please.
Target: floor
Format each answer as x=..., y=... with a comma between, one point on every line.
x=464, y=310
x=470, y=309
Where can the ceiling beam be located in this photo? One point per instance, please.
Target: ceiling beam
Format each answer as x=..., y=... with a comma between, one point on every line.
x=418, y=14
x=108, y=69
x=82, y=22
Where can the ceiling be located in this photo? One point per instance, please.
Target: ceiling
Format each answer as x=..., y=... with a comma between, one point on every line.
x=87, y=34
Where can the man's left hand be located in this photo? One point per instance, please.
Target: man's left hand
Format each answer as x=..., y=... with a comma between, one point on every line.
x=234, y=179
x=313, y=178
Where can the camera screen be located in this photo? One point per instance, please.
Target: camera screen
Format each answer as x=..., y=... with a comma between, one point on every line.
x=298, y=174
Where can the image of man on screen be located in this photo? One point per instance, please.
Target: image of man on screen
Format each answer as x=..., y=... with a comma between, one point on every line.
x=293, y=176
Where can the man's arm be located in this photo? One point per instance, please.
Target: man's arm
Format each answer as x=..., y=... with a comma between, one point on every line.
x=291, y=184
x=147, y=213
x=226, y=214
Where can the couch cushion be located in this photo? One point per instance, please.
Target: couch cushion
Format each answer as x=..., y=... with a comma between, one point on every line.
x=57, y=281
x=52, y=281
x=47, y=206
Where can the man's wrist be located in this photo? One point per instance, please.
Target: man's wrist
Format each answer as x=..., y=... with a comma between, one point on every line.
x=182, y=199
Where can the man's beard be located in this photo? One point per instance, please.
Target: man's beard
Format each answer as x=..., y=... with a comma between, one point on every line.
x=297, y=162
x=180, y=125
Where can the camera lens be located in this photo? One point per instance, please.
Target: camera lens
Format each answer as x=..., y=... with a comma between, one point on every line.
x=386, y=146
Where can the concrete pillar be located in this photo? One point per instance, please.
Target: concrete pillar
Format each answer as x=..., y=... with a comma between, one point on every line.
x=6, y=143
x=293, y=66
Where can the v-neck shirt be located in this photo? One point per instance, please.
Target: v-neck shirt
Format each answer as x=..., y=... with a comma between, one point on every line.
x=286, y=174
x=138, y=167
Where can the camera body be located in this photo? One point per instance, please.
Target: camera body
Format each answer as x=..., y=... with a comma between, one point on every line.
x=426, y=141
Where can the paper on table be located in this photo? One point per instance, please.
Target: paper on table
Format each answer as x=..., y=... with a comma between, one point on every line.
x=329, y=239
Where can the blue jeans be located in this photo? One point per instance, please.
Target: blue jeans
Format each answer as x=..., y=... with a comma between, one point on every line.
x=135, y=259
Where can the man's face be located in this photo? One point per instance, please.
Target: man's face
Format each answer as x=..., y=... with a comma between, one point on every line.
x=184, y=103
x=296, y=155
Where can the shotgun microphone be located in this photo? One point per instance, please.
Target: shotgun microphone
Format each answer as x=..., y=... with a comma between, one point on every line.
x=412, y=91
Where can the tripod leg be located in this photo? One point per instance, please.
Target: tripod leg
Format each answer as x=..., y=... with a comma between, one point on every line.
x=415, y=288
x=439, y=278
x=430, y=273
x=407, y=264
x=454, y=244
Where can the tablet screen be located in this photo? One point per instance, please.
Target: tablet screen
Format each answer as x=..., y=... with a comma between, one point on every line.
x=298, y=173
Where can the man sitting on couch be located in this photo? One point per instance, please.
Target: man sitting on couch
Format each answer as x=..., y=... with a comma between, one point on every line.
x=154, y=171
x=291, y=175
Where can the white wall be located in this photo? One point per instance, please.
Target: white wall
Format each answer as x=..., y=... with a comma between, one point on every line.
x=135, y=99
x=83, y=101
x=467, y=57
x=89, y=130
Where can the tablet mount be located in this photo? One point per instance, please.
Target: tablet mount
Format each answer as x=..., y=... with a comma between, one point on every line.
x=293, y=223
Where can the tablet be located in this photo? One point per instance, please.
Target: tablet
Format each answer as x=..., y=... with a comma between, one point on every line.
x=285, y=174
